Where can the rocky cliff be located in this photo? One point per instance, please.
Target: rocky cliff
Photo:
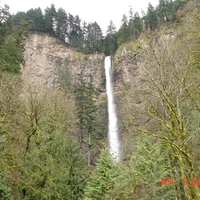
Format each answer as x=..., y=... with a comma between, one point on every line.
x=45, y=54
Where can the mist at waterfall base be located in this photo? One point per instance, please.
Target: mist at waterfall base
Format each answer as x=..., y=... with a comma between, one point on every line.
x=113, y=137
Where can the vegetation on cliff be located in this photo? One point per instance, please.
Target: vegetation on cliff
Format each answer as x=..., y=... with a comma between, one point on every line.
x=11, y=41
x=41, y=157
x=89, y=38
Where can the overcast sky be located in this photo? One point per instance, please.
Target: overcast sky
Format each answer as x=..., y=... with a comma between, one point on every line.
x=101, y=11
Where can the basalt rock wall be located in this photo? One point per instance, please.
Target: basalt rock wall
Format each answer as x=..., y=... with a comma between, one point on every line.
x=45, y=54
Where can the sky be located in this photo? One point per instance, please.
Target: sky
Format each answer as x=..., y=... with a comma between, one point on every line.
x=101, y=11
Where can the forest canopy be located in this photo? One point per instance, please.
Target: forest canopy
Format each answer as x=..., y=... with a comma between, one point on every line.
x=53, y=142
x=88, y=37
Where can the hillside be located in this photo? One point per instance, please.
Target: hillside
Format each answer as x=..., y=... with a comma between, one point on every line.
x=53, y=118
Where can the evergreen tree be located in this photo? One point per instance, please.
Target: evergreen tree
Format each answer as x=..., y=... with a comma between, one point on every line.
x=89, y=127
x=151, y=19
x=36, y=16
x=123, y=32
x=94, y=38
x=12, y=48
x=78, y=173
x=11, y=42
x=124, y=21
x=49, y=19
x=61, y=24
x=102, y=180
x=44, y=157
x=110, y=42
x=5, y=23
x=135, y=25
x=148, y=166
x=74, y=31
x=162, y=13
x=18, y=17
x=63, y=79
x=111, y=180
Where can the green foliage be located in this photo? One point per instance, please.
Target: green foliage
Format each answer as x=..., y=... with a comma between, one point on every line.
x=61, y=29
x=5, y=22
x=151, y=19
x=39, y=156
x=10, y=88
x=110, y=180
x=192, y=27
x=36, y=16
x=75, y=35
x=110, y=42
x=12, y=43
x=88, y=124
x=123, y=34
x=52, y=161
x=94, y=38
x=4, y=188
x=149, y=165
x=102, y=180
x=49, y=17
x=170, y=108
x=64, y=79
x=47, y=167
x=135, y=25
x=78, y=173
x=88, y=38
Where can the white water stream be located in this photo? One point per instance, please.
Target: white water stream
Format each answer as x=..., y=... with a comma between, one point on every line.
x=112, y=116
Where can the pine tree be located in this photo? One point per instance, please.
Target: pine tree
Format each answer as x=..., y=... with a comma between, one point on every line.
x=135, y=25
x=151, y=19
x=75, y=34
x=13, y=47
x=49, y=19
x=110, y=42
x=78, y=172
x=89, y=127
x=94, y=38
x=61, y=24
x=123, y=32
x=102, y=180
x=149, y=166
x=36, y=16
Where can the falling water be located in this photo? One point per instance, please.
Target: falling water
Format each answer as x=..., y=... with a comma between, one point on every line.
x=112, y=127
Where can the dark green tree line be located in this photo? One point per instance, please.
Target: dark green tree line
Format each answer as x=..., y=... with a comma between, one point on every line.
x=11, y=42
x=88, y=38
x=89, y=133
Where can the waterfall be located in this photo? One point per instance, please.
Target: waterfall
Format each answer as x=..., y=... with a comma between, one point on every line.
x=112, y=116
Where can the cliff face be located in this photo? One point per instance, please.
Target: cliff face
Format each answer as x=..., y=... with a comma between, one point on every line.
x=44, y=54
x=128, y=70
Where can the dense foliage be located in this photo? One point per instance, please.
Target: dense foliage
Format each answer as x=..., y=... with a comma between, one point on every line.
x=89, y=38
x=11, y=42
x=49, y=137
x=89, y=133
x=168, y=102
x=40, y=158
